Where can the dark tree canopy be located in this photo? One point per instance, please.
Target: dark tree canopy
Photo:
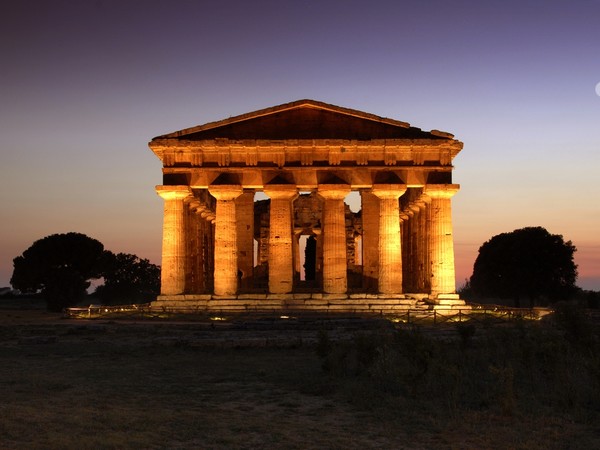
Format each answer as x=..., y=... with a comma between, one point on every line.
x=60, y=266
x=526, y=263
x=128, y=279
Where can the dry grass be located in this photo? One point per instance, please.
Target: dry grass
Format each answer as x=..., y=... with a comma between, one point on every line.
x=113, y=385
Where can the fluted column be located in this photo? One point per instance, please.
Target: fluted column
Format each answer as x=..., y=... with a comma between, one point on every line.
x=334, y=238
x=281, y=258
x=244, y=211
x=390, y=247
x=414, y=244
x=404, y=238
x=225, y=273
x=425, y=240
x=370, y=244
x=173, y=273
x=441, y=242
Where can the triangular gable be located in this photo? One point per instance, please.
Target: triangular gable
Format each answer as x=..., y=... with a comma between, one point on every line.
x=305, y=119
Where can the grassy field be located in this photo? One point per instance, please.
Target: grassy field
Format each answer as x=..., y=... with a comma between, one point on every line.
x=104, y=385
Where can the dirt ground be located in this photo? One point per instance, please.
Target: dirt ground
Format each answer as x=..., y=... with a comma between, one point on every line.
x=69, y=384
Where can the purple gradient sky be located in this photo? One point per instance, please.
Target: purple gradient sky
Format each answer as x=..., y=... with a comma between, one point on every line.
x=86, y=84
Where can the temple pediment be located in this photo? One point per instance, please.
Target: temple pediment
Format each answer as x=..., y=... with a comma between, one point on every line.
x=305, y=119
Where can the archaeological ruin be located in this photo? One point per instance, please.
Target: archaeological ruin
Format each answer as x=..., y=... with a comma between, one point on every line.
x=307, y=206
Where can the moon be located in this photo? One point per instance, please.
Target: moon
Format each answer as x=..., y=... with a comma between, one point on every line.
x=598, y=89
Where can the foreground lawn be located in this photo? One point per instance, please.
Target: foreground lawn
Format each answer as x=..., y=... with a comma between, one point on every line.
x=113, y=385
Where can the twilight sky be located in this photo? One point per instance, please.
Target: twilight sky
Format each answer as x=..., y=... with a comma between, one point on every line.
x=84, y=85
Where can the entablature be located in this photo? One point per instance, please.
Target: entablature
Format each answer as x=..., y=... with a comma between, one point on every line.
x=307, y=178
x=300, y=153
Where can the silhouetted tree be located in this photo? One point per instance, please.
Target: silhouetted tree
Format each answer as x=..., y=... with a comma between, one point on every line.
x=128, y=279
x=60, y=266
x=526, y=263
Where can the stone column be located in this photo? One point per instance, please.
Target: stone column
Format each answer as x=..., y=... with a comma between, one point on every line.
x=206, y=218
x=408, y=257
x=390, y=250
x=244, y=212
x=441, y=242
x=425, y=201
x=404, y=238
x=334, y=238
x=281, y=258
x=420, y=243
x=192, y=237
x=225, y=273
x=370, y=245
x=173, y=273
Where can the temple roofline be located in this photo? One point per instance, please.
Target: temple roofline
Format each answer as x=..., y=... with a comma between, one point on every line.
x=304, y=103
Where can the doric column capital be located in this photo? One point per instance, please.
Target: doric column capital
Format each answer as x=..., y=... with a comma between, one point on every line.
x=441, y=191
x=424, y=199
x=333, y=191
x=225, y=192
x=388, y=191
x=173, y=192
x=281, y=191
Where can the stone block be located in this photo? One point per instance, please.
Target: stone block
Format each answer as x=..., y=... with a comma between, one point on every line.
x=280, y=297
x=391, y=296
x=252, y=296
x=223, y=297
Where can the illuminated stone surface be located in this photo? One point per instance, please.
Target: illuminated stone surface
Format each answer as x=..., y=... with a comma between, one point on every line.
x=390, y=252
x=441, y=241
x=226, y=252
x=220, y=247
x=334, y=238
x=174, y=239
x=281, y=270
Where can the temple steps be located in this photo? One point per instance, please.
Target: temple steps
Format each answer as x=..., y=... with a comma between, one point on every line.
x=305, y=303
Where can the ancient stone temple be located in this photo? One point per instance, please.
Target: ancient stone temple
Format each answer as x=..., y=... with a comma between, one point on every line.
x=307, y=206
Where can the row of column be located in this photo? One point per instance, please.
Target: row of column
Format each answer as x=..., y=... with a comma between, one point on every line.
x=434, y=222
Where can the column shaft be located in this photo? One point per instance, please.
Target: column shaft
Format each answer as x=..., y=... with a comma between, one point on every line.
x=441, y=243
x=334, y=238
x=225, y=272
x=390, y=249
x=281, y=258
x=173, y=265
x=244, y=211
x=370, y=245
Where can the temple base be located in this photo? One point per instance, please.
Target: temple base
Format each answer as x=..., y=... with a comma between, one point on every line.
x=443, y=302
x=380, y=304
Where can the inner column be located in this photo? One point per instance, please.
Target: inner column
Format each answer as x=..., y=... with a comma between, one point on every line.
x=225, y=273
x=334, y=238
x=281, y=258
x=390, y=250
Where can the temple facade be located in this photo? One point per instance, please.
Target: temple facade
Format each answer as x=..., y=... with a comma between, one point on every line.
x=307, y=205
